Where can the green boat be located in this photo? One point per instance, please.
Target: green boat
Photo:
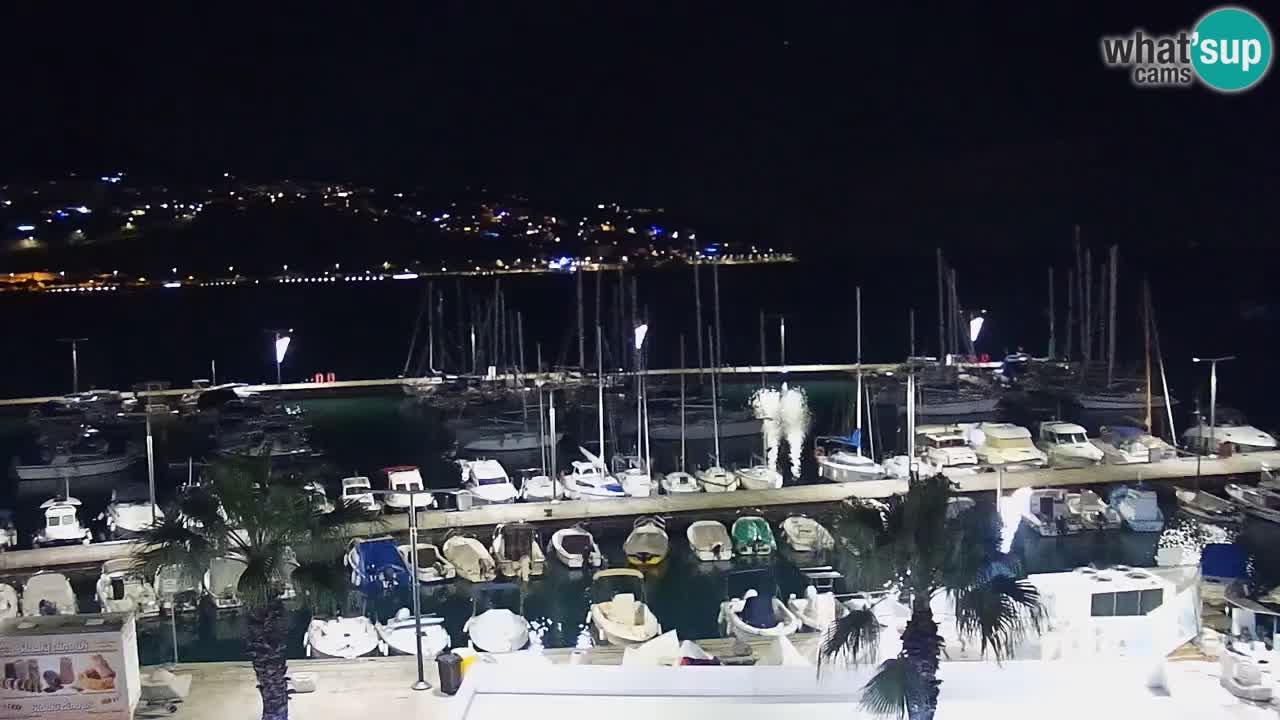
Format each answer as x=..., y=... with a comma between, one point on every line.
x=753, y=536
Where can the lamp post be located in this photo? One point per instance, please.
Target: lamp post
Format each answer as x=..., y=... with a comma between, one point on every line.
x=1213, y=394
x=422, y=683
x=75, y=361
x=642, y=404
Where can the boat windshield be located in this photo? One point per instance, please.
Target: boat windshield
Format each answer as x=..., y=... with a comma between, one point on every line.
x=1070, y=438
x=950, y=441
x=1019, y=443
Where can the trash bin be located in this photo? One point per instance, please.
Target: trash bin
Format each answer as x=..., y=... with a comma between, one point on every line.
x=449, y=665
x=464, y=500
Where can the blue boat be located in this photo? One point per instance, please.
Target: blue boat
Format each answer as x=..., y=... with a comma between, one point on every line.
x=376, y=566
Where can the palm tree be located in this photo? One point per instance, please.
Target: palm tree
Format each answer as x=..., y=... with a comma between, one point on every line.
x=239, y=515
x=921, y=546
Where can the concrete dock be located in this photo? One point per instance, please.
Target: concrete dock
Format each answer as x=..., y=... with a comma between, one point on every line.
x=567, y=511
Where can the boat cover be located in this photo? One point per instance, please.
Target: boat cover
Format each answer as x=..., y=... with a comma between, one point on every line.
x=575, y=544
x=757, y=611
x=380, y=566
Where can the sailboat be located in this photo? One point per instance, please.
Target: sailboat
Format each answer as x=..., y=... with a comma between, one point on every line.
x=716, y=478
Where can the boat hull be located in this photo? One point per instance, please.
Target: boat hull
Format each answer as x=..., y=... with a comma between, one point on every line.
x=75, y=470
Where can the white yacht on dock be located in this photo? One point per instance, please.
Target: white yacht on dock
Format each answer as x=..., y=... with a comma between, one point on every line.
x=130, y=512
x=758, y=477
x=61, y=524
x=944, y=447
x=674, y=483
x=1126, y=445
x=121, y=589
x=717, y=479
x=1067, y=445
x=487, y=481
x=586, y=480
x=840, y=460
x=1005, y=444
x=1139, y=509
x=357, y=490
x=632, y=474
x=401, y=480
x=1232, y=431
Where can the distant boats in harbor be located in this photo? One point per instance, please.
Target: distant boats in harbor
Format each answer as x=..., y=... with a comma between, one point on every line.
x=1232, y=431
x=89, y=455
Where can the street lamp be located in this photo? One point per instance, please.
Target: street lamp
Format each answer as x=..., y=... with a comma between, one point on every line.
x=642, y=403
x=1213, y=393
x=282, y=347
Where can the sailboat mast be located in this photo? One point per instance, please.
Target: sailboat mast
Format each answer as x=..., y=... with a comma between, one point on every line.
x=857, y=413
x=1164, y=381
x=717, y=351
x=1111, y=321
x=542, y=437
x=942, y=313
x=715, y=403
x=582, y=345
x=682, y=458
x=1146, y=350
x=697, y=308
x=1052, y=333
x=600, y=389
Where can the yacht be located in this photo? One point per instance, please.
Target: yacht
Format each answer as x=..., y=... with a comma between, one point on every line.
x=1232, y=431
x=587, y=480
x=1067, y=445
x=358, y=490
x=487, y=482
x=717, y=479
x=401, y=480
x=674, y=483
x=1127, y=445
x=699, y=425
x=839, y=461
x=1138, y=508
x=88, y=456
x=1005, y=444
x=1119, y=400
x=61, y=524
x=130, y=512
x=1089, y=510
x=499, y=440
x=121, y=589
x=943, y=402
x=631, y=473
x=536, y=486
x=944, y=447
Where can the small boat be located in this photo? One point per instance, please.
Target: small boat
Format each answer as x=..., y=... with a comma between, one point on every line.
x=753, y=536
x=576, y=547
x=817, y=610
x=346, y=638
x=1259, y=502
x=805, y=534
x=9, y=607
x=432, y=567
x=397, y=635
x=677, y=482
x=619, y=612
x=318, y=499
x=358, y=490
x=517, y=550
x=61, y=525
x=839, y=460
x=178, y=592
x=945, y=447
x=48, y=593
x=1047, y=513
x=222, y=583
x=699, y=425
x=376, y=565
x=401, y=481
x=488, y=482
x=587, y=480
x=470, y=558
x=757, y=612
x=1207, y=507
x=121, y=589
x=717, y=479
x=647, y=545
x=709, y=540
x=497, y=623
x=1067, y=445
x=758, y=477
x=631, y=473
x=8, y=531
x=87, y=458
x=1118, y=400
x=536, y=487
x=509, y=441
x=1138, y=508
x=130, y=512
x=1091, y=512
x=1127, y=445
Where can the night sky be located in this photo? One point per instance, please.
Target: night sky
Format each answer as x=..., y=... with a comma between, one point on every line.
x=837, y=127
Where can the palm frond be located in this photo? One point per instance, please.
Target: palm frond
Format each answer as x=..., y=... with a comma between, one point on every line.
x=853, y=639
x=894, y=689
x=322, y=585
x=999, y=610
x=171, y=541
x=974, y=546
x=264, y=575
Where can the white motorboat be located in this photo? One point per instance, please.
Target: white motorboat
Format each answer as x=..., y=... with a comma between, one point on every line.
x=804, y=534
x=48, y=593
x=517, y=551
x=9, y=606
x=536, y=486
x=470, y=558
x=432, y=565
x=345, y=638
x=839, y=460
x=1231, y=431
x=944, y=447
x=1258, y=502
x=1240, y=670
x=576, y=548
x=497, y=623
x=1067, y=445
x=1047, y=513
x=177, y=591
x=377, y=566
x=647, y=545
x=618, y=611
x=121, y=589
x=358, y=490
x=8, y=531
x=588, y=481
x=318, y=498
x=1005, y=444
x=630, y=472
x=817, y=610
x=709, y=540
x=487, y=482
x=1091, y=512
x=397, y=635
x=130, y=513
x=757, y=612
x=901, y=467
x=77, y=462
x=758, y=477
x=1120, y=445
x=61, y=525
x=222, y=583
x=674, y=483
x=401, y=481
x=1207, y=507
x=717, y=479
x=1139, y=509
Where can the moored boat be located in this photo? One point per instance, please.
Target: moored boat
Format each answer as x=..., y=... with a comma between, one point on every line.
x=1138, y=508
x=753, y=536
x=1258, y=502
x=470, y=558
x=709, y=540
x=576, y=548
x=647, y=545
x=396, y=636
x=340, y=637
x=758, y=477
x=497, y=623
x=804, y=534
x=618, y=611
x=1207, y=507
x=517, y=551
x=756, y=612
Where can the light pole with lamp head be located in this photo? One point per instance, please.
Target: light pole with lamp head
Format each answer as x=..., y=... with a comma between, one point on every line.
x=281, y=345
x=1213, y=394
x=642, y=402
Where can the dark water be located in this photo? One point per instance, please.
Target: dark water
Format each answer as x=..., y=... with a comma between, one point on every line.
x=367, y=433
